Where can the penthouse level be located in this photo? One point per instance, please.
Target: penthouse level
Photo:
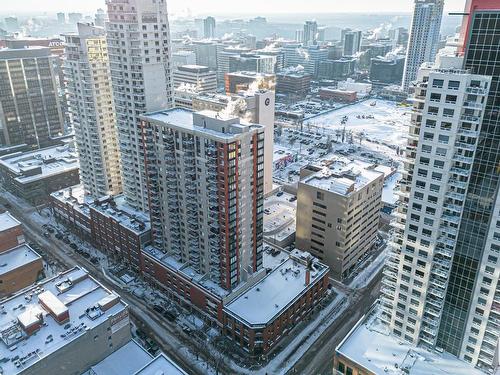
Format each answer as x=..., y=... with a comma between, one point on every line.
x=61, y=326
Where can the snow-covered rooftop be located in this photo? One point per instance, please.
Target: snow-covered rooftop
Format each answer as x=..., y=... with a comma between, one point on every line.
x=78, y=292
x=17, y=257
x=343, y=178
x=265, y=300
x=117, y=208
x=161, y=365
x=7, y=221
x=127, y=360
x=76, y=196
x=36, y=165
x=370, y=346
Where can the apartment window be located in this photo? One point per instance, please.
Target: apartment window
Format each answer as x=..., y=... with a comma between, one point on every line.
x=441, y=151
x=444, y=139
x=433, y=111
x=438, y=83
x=454, y=85
x=448, y=112
x=320, y=195
x=435, y=97
x=451, y=99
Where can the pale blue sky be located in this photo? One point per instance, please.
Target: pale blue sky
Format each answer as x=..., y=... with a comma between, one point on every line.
x=234, y=6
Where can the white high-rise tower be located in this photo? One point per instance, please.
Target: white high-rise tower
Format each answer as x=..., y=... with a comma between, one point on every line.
x=90, y=95
x=424, y=37
x=139, y=52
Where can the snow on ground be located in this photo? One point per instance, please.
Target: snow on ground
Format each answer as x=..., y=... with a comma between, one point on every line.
x=369, y=272
x=281, y=364
x=384, y=121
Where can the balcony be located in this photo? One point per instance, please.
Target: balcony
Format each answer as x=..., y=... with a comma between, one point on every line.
x=457, y=183
x=476, y=91
x=444, y=251
x=463, y=159
x=455, y=195
x=465, y=146
x=460, y=171
x=473, y=119
x=468, y=133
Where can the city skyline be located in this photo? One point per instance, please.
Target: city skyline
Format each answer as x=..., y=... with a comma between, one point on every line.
x=259, y=6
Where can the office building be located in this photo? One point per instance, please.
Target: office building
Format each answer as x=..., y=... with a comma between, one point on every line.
x=11, y=24
x=338, y=210
x=224, y=55
x=67, y=322
x=11, y=232
x=206, y=53
x=31, y=114
x=439, y=287
x=199, y=78
x=183, y=57
x=61, y=18
x=351, y=41
x=251, y=62
x=90, y=100
x=256, y=107
x=337, y=69
x=237, y=82
x=221, y=230
x=209, y=28
x=21, y=267
x=138, y=38
x=424, y=37
x=100, y=18
x=278, y=55
x=310, y=36
x=34, y=175
x=387, y=70
x=293, y=83
x=74, y=17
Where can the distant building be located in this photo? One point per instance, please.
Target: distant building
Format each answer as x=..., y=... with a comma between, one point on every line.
x=338, y=210
x=224, y=55
x=338, y=95
x=34, y=175
x=198, y=77
x=251, y=62
x=182, y=57
x=209, y=28
x=293, y=83
x=67, y=322
x=11, y=24
x=310, y=37
x=206, y=53
x=31, y=112
x=75, y=17
x=61, y=18
x=351, y=41
x=337, y=69
x=387, y=70
x=100, y=18
x=243, y=81
x=424, y=37
x=278, y=55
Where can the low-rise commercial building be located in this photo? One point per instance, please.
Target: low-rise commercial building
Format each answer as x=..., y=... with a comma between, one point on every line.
x=294, y=83
x=199, y=78
x=19, y=267
x=70, y=206
x=258, y=316
x=344, y=96
x=34, y=175
x=118, y=230
x=61, y=326
x=236, y=82
x=11, y=232
x=338, y=211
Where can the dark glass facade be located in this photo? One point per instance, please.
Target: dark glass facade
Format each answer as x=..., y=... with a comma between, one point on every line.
x=482, y=56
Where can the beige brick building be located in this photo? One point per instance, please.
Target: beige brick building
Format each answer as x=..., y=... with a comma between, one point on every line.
x=338, y=210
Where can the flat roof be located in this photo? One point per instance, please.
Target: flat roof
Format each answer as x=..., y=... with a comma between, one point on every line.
x=17, y=257
x=343, y=178
x=161, y=365
x=7, y=221
x=122, y=212
x=265, y=300
x=127, y=360
x=36, y=165
x=78, y=291
x=74, y=195
x=185, y=120
x=370, y=345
